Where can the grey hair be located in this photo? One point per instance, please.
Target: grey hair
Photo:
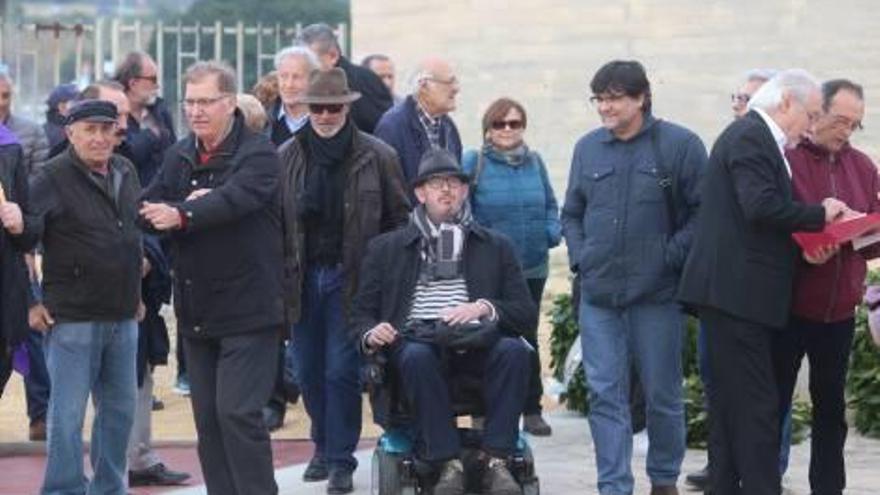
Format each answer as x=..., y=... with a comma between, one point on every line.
x=320, y=35
x=796, y=82
x=5, y=75
x=762, y=75
x=300, y=51
x=222, y=71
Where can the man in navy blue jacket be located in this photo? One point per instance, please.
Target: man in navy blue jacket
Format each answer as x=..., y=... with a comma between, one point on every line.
x=421, y=122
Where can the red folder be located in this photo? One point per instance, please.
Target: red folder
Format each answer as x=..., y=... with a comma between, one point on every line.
x=837, y=233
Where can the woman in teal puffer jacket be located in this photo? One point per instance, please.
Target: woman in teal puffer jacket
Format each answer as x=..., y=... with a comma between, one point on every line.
x=511, y=193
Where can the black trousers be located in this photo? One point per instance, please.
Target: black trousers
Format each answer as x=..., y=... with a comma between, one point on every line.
x=744, y=424
x=536, y=387
x=230, y=381
x=827, y=346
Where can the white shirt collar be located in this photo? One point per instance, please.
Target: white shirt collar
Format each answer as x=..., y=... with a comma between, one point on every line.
x=778, y=136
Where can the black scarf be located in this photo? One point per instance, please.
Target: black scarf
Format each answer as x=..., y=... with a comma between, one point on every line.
x=323, y=199
x=322, y=195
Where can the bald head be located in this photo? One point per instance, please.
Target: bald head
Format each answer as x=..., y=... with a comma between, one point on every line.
x=436, y=86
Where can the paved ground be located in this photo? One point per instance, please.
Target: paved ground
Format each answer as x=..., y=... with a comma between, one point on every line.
x=565, y=465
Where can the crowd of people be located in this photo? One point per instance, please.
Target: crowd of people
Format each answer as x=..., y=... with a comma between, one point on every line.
x=322, y=219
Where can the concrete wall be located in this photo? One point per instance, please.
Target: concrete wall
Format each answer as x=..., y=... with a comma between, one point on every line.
x=545, y=52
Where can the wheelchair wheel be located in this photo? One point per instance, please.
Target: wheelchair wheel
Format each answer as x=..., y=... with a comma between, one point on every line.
x=388, y=475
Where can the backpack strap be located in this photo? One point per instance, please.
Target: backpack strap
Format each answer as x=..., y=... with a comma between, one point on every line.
x=664, y=179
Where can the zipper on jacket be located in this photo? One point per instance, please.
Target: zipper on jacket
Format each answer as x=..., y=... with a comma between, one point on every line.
x=838, y=258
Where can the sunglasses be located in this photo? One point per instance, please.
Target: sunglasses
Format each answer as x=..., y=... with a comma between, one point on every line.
x=513, y=125
x=319, y=108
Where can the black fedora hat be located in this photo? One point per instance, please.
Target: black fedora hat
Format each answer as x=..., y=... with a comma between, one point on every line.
x=439, y=163
x=328, y=87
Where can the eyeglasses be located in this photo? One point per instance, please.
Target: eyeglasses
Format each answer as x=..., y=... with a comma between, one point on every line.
x=191, y=103
x=319, y=108
x=152, y=79
x=741, y=98
x=597, y=100
x=841, y=121
x=513, y=125
x=452, y=81
x=438, y=183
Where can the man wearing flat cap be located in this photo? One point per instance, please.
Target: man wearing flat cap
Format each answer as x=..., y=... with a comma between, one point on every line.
x=340, y=187
x=85, y=203
x=444, y=293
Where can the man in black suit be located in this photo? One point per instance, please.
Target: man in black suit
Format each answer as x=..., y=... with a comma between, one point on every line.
x=739, y=276
x=375, y=96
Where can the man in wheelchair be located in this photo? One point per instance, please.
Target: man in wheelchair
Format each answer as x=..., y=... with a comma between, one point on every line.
x=443, y=293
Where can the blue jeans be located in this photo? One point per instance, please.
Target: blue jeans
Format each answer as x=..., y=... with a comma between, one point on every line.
x=97, y=358
x=328, y=365
x=706, y=378
x=651, y=336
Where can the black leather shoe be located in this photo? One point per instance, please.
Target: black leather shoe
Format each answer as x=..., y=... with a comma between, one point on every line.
x=316, y=470
x=273, y=419
x=340, y=482
x=158, y=475
x=699, y=480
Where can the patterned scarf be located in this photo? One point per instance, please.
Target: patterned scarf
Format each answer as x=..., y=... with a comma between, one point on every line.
x=456, y=230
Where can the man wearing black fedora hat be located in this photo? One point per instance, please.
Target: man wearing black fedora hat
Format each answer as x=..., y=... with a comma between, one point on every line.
x=85, y=201
x=439, y=273
x=340, y=187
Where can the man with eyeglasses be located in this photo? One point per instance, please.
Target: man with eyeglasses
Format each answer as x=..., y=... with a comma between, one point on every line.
x=740, y=272
x=340, y=187
x=628, y=221
x=85, y=201
x=216, y=198
x=440, y=273
x=755, y=78
x=421, y=122
x=826, y=295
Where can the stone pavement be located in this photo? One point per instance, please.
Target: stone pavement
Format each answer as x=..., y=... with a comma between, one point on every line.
x=565, y=465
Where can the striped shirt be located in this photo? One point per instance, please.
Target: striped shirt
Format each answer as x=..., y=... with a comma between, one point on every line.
x=434, y=296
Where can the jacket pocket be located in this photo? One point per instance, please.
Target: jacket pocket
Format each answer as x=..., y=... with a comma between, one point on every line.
x=646, y=183
x=599, y=185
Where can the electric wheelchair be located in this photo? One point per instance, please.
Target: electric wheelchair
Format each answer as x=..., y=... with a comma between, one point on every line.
x=395, y=468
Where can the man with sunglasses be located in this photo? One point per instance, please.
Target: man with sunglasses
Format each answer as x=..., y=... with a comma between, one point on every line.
x=340, y=187
x=216, y=197
x=826, y=295
x=628, y=220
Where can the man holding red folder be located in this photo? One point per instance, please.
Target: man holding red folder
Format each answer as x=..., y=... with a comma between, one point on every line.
x=739, y=276
x=825, y=295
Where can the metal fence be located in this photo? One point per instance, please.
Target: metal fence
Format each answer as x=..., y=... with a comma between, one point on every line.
x=41, y=56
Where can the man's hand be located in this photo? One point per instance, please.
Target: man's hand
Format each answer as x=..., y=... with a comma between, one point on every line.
x=381, y=335
x=834, y=208
x=39, y=318
x=160, y=215
x=141, y=312
x=822, y=255
x=198, y=193
x=10, y=217
x=465, y=313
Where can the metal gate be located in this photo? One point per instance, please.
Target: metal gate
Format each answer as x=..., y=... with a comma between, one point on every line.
x=41, y=56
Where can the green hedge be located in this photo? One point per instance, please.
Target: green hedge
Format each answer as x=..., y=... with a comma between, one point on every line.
x=564, y=331
x=863, y=381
